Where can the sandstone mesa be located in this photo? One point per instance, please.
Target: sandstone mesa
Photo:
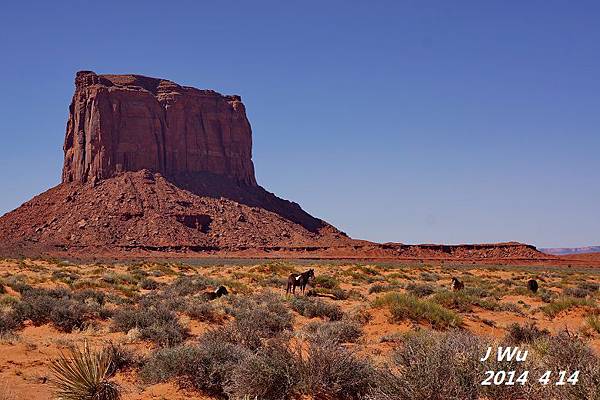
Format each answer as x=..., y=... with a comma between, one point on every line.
x=153, y=168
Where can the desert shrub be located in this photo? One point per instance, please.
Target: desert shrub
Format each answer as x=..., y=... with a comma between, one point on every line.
x=359, y=314
x=274, y=268
x=363, y=274
x=478, y=291
x=593, y=321
x=272, y=373
x=187, y=285
x=64, y=313
x=65, y=276
x=589, y=286
x=577, y=292
x=18, y=283
x=163, y=300
x=429, y=277
x=463, y=302
x=340, y=294
x=406, y=306
x=8, y=300
x=8, y=322
x=167, y=363
x=564, y=303
x=121, y=357
x=433, y=365
x=330, y=371
x=68, y=315
x=112, y=278
x=311, y=308
x=326, y=281
x=258, y=317
x=83, y=375
x=343, y=331
x=148, y=284
x=395, y=337
x=203, y=311
x=87, y=295
x=207, y=367
x=159, y=325
x=517, y=334
x=273, y=281
x=215, y=362
x=419, y=289
x=547, y=296
x=568, y=353
x=380, y=288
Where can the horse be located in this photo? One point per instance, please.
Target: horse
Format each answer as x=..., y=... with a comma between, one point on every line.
x=532, y=285
x=218, y=292
x=299, y=280
x=456, y=285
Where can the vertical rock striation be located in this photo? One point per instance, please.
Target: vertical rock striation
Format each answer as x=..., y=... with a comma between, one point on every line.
x=121, y=123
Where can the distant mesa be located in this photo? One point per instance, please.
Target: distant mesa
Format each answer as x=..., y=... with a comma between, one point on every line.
x=153, y=168
x=561, y=251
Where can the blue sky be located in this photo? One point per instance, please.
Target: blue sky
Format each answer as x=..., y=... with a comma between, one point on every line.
x=410, y=121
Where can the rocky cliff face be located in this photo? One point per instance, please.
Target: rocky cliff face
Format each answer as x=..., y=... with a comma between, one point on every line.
x=121, y=123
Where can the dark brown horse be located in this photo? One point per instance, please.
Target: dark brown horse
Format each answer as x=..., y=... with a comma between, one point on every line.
x=299, y=280
x=532, y=285
x=218, y=292
x=456, y=285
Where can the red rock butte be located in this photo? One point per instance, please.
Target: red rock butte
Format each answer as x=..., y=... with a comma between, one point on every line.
x=153, y=168
x=121, y=123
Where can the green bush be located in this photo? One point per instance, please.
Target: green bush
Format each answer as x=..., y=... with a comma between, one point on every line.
x=326, y=281
x=593, y=321
x=463, y=302
x=406, y=306
x=380, y=288
x=564, y=303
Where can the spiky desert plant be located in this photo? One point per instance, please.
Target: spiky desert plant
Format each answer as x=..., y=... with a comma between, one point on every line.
x=84, y=375
x=6, y=393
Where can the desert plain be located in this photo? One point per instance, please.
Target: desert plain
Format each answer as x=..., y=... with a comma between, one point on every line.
x=362, y=329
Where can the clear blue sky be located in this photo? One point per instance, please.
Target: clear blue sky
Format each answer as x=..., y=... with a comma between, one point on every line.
x=411, y=121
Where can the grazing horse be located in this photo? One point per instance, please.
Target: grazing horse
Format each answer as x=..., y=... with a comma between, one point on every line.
x=299, y=280
x=218, y=292
x=532, y=285
x=456, y=285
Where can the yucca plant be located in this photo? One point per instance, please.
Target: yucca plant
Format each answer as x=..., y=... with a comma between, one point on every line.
x=84, y=375
x=6, y=393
